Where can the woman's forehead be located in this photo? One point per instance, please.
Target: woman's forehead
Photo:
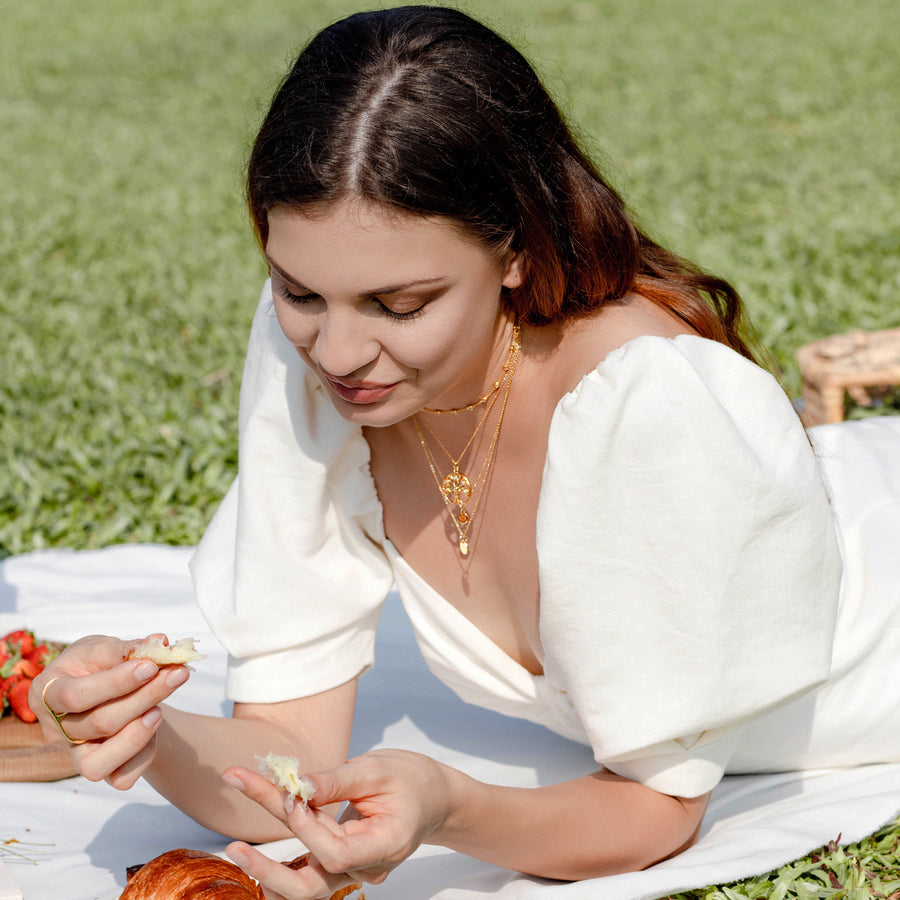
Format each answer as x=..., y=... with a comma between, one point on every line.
x=358, y=240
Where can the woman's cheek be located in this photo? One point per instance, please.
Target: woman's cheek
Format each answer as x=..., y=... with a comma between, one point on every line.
x=296, y=326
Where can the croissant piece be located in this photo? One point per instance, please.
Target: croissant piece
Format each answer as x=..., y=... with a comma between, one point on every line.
x=195, y=875
x=191, y=875
x=179, y=653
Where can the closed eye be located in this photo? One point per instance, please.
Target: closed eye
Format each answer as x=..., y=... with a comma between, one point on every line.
x=402, y=316
x=291, y=297
x=300, y=299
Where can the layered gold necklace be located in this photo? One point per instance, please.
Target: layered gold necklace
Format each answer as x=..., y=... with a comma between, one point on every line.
x=456, y=488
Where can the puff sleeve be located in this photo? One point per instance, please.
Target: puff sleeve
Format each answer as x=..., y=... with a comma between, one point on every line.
x=689, y=568
x=291, y=573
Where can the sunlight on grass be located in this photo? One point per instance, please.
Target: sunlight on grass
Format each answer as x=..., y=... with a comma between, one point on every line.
x=757, y=138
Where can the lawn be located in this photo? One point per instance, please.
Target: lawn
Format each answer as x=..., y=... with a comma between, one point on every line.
x=758, y=138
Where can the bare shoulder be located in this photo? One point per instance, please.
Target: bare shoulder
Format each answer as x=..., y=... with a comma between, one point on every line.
x=585, y=342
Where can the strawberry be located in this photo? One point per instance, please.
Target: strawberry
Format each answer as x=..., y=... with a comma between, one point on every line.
x=18, y=700
x=26, y=667
x=6, y=685
x=41, y=654
x=22, y=639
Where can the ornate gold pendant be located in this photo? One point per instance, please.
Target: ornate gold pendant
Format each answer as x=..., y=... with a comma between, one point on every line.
x=456, y=487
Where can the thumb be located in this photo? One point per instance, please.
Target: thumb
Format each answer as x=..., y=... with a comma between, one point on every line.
x=353, y=780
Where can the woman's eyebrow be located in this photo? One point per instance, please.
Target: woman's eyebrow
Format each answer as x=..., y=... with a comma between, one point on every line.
x=390, y=289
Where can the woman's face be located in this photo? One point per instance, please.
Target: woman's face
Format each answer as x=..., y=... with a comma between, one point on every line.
x=392, y=311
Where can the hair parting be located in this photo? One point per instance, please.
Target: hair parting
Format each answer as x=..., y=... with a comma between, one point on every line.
x=424, y=110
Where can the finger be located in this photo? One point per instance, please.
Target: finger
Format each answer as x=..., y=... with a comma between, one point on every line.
x=307, y=883
x=126, y=776
x=258, y=789
x=353, y=780
x=279, y=803
x=110, y=717
x=77, y=693
x=98, y=760
x=365, y=851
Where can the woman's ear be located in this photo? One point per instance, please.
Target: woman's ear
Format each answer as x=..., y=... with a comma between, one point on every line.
x=514, y=276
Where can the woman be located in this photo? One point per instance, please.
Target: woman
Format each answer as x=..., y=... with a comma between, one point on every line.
x=472, y=375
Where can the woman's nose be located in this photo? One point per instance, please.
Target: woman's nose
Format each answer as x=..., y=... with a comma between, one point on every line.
x=345, y=342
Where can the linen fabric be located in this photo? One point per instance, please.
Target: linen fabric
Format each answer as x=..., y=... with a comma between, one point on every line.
x=690, y=571
x=754, y=823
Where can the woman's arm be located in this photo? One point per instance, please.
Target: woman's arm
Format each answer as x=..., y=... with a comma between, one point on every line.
x=600, y=824
x=120, y=731
x=192, y=751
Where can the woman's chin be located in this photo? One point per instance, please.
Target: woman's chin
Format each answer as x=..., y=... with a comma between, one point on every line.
x=380, y=414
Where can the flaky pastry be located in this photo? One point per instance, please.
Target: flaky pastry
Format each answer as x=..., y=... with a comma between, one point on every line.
x=284, y=773
x=154, y=649
x=196, y=875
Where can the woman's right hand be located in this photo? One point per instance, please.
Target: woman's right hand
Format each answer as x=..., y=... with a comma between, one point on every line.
x=110, y=707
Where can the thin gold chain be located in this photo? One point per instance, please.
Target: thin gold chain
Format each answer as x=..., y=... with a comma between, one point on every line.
x=456, y=462
x=513, y=348
x=455, y=488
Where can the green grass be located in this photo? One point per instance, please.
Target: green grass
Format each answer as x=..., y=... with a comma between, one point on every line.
x=756, y=136
x=861, y=871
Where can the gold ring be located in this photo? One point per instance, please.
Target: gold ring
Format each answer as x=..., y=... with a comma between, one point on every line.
x=58, y=717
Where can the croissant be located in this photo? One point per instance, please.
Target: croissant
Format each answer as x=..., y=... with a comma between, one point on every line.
x=195, y=875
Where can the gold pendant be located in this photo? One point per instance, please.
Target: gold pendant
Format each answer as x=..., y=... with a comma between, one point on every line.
x=456, y=487
x=463, y=546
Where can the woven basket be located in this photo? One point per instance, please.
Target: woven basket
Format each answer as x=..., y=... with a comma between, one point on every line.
x=864, y=364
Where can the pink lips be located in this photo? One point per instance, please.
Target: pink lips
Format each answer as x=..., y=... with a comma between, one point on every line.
x=359, y=391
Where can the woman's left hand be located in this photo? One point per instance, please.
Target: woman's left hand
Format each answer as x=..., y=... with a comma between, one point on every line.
x=398, y=800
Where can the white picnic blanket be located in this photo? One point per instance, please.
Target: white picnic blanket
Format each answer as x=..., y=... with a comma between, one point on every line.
x=754, y=824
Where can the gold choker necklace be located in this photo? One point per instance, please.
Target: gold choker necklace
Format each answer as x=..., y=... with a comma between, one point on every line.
x=513, y=350
x=456, y=488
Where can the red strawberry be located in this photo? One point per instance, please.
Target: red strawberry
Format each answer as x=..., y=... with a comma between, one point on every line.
x=26, y=667
x=24, y=640
x=18, y=700
x=41, y=654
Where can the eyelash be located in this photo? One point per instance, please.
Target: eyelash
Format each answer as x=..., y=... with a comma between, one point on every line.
x=300, y=299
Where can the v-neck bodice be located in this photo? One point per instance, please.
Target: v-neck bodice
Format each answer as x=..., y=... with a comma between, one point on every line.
x=462, y=656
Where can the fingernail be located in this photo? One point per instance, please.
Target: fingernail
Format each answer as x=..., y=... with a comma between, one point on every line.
x=233, y=780
x=178, y=676
x=289, y=802
x=152, y=717
x=145, y=670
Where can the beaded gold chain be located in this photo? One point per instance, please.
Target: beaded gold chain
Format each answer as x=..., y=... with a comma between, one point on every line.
x=456, y=488
x=513, y=350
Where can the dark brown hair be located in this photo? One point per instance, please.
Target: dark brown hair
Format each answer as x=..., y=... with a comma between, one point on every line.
x=427, y=111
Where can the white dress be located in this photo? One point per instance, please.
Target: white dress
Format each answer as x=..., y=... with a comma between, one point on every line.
x=696, y=616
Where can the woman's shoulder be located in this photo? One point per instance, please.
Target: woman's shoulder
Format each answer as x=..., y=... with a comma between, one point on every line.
x=636, y=346
x=586, y=342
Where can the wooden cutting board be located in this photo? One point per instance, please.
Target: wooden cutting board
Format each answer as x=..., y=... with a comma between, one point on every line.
x=26, y=756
